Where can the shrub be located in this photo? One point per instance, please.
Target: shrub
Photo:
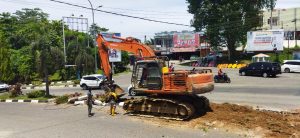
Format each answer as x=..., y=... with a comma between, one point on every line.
x=15, y=91
x=61, y=99
x=36, y=94
x=76, y=81
x=13, y=94
x=37, y=83
x=55, y=77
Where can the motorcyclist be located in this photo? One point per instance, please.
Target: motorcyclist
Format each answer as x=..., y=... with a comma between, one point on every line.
x=220, y=73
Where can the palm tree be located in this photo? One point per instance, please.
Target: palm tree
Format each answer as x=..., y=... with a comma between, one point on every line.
x=79, y=53
x=84, y=62
x=48, y=57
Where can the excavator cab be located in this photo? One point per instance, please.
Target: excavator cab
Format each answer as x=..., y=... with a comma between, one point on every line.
x=147, y=74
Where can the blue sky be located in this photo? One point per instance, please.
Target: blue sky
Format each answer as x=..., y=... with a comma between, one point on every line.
x=164, y=10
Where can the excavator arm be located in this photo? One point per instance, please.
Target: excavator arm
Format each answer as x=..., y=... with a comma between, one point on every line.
x=129, y=44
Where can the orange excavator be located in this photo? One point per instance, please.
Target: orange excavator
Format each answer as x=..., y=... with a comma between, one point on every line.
x=170, y=94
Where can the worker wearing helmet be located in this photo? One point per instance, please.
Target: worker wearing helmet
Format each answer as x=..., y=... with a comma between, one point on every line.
x=112, y=99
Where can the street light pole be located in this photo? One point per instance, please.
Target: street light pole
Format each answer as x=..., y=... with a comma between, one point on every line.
x=93, y=33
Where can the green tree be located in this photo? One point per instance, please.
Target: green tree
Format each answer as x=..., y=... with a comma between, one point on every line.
x=26, y=20
x=226, y=22
x=6, y=73
x=79, y=53
x=23, y=63
x=97, y=29
x=49, y=57
x=121, y=66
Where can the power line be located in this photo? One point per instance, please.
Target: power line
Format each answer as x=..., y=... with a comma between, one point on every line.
x=147, y=11
x=119, y=14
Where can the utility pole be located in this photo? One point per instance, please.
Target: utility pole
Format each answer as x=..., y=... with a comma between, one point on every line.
x=295, y=14
x=79, y=24
x=94, y=35
x=64, y=39
x=288, y=52
x=271, y=18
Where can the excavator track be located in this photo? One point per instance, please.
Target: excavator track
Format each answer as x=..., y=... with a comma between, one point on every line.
x=164, y=107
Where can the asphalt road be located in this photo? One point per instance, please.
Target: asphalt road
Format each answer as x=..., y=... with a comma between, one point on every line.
x=280, y=93
x=46, y=121
x=20, y=120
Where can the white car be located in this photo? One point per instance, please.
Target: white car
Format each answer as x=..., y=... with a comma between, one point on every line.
x=130, y=91
x=92, y=81
x=4, y=86
x=291, y=66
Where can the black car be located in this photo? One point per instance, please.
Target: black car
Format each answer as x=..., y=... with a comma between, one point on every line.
x=264, y=69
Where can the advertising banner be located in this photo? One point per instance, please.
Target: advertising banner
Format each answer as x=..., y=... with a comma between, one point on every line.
x=181, y=49
x=268, y=40
x=114, y=55
x=186, y=40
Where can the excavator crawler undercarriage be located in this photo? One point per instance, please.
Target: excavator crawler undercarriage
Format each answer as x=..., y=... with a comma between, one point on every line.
x=168, y=107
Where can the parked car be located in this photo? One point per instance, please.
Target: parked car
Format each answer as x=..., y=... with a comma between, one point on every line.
x=4, y=86
x=133, y=93
x=264, y=69
x=130, y=91
x=92, y=81
x=291, y=66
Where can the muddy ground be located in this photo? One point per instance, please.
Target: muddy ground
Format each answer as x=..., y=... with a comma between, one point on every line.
x=242, y=120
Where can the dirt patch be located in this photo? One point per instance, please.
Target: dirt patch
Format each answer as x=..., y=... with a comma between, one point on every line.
x=243, y=120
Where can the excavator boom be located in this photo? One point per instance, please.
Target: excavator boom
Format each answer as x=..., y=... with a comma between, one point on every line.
x=129, y=44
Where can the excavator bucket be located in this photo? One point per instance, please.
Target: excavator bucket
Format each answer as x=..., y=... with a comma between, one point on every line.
x=119, y=91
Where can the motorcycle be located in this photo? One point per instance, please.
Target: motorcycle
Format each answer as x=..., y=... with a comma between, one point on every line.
x=222, y=79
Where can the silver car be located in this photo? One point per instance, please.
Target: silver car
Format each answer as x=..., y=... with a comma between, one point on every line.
x=4, y=86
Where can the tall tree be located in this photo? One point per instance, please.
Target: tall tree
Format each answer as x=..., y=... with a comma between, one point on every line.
x=79, y=53
x=23, y=63
x=97, y=29
x=226, y=22
x=49, y=57
x=6, y=73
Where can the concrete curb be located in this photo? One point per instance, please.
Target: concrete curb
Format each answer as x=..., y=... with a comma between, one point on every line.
x=23, y=101
x=43, y=87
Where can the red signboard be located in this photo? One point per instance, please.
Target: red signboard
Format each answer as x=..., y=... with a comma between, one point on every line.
x=186, y=40
x=183, y=49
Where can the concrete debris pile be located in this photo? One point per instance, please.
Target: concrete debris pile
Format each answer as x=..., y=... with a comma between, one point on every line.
x=80, y=99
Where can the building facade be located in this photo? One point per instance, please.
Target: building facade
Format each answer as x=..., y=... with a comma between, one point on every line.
x=181, y=44
x=286, y=19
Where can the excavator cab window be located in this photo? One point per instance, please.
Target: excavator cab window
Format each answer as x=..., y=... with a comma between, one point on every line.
x=138, y=76
x=147, y=75
x=154, y=76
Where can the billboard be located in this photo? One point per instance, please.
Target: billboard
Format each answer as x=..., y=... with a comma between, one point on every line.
x=186, y=40
x=268, y=40
x=114, y=55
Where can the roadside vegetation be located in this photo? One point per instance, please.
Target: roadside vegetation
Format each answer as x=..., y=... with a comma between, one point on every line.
x=34, y=45
x=34, y=95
